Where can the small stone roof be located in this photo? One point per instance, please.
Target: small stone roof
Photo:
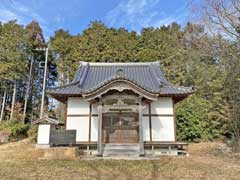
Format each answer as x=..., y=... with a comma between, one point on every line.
x=148, y=76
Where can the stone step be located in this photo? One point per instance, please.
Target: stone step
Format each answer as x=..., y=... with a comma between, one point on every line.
x=121, y=155
x=122, y=146
x=121, y=150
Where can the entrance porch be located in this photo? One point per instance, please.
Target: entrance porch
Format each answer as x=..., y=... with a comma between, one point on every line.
x=120, y=125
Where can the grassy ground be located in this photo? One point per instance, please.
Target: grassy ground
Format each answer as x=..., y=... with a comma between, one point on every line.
x=206, y=161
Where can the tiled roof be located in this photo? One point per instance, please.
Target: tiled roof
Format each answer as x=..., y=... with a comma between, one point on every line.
x=49, y=120
x=91, y=76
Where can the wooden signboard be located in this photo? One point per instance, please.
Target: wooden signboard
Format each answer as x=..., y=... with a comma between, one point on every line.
x=62, y=137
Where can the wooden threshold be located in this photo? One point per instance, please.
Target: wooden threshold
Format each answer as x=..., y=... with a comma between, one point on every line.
x=165, y=143
x=86, y=143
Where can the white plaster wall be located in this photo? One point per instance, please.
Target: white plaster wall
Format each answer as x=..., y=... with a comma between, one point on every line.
x=164, y=105
x=43, y=133
x=77, y=105
x=81, y=124
x=146, y=130
x=94, y=128
x=163, y=128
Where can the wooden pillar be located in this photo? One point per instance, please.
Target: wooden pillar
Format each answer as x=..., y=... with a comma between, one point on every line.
x=90, y=123
x=141, y=143
x=150, y=121
x=99, y=145
x=170, y=150
x=65, y=114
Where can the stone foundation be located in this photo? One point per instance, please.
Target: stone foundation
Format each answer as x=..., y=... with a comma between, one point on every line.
x=61, y=153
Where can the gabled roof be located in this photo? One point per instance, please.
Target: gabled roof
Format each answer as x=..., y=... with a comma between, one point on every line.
x=91, y=76
x=47, y=120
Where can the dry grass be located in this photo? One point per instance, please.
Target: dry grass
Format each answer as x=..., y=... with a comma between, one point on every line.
x=206, y=161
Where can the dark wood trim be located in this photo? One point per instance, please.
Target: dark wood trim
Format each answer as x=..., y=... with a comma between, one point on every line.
x=65, y=118
x=78, y=115
x=86, y=142
x=164, y=142
x=159, y=142
x=141, y=142
x=90, y=122
x=150, y=121
x=145, y=142
x=120, y=84
x=99, y=145
x=156, y=115
x=120, y=97
x=82, y=115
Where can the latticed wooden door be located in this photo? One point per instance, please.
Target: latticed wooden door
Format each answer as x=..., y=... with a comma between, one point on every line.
x=120, y=128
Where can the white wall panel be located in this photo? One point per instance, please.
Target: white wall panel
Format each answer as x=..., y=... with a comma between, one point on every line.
x=94, y=128
x=163, y=128
x=146, y=130
x=164, y=105
x=77, y=105
x=43, y=133
x=81, y=124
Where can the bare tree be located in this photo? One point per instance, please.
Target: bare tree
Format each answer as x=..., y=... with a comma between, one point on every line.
x=28, y=89
x=3, y=105
x=223, y=16
x=13, y=99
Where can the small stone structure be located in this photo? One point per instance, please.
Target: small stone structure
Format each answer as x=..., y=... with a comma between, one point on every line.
x=51, y=134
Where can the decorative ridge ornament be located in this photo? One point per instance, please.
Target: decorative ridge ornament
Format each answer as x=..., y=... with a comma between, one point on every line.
x=120, y=72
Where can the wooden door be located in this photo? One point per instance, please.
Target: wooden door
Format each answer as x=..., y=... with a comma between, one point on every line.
x=120, y=128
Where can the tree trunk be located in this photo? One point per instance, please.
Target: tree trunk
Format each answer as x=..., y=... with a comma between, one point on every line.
x=13, y=99
x=3, y=105
x=1, y=100
x=28, y=88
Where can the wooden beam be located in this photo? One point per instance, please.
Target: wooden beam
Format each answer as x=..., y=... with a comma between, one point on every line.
x=99, y=144
x=150, y=121
x=157, y=115
x=90, y=122
x=120, y=96
x=120, y=85
x=65, y=118
x=141, y=143
x=122, y=108
x=81, y=115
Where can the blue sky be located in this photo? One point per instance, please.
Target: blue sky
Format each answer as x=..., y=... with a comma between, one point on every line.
x=75, y=15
